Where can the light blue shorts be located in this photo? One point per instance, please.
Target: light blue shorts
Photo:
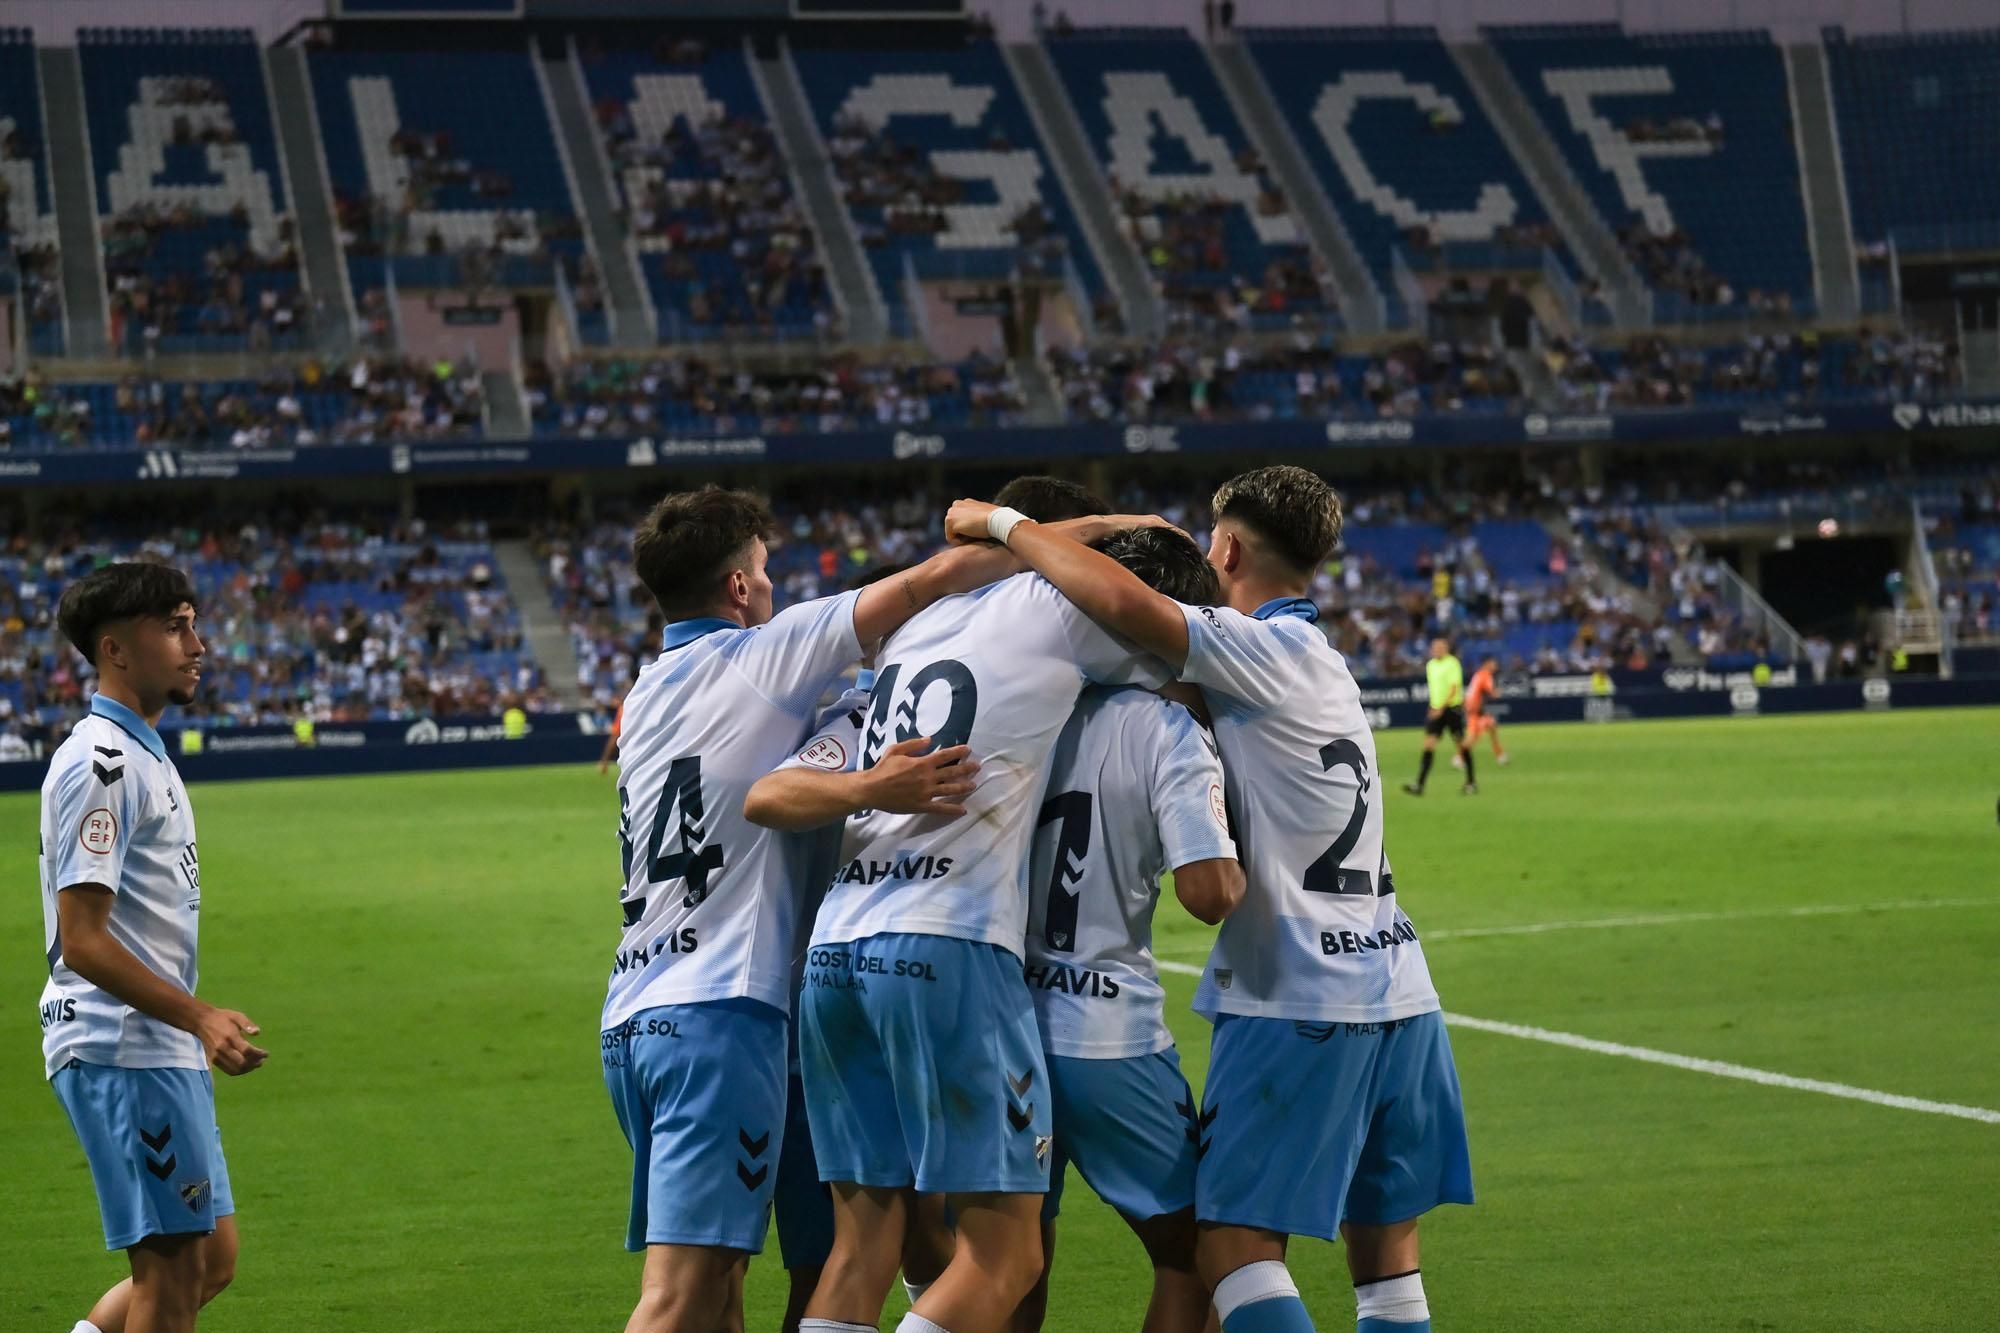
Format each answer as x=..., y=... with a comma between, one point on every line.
x=1306, y=1125
x=803, y=1203
x=154, y=1150
x=1129, y=1126
x=700, y=1093
x=923, y=1066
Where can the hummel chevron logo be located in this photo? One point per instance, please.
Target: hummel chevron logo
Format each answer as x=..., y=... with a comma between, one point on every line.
x=1208, y=1116
x=107, y=751
x=755, y=1147
x=158, y=1140
x=1020, y=1085
x=107, y=776
x=751, y=1179
x=161, y=1169
x=1018, y=1118
x=1201, y=1145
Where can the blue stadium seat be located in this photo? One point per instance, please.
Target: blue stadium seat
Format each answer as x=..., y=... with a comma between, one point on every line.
x=1919, y=134
x=1411, y=146
x=1737, y=199
x=1182, y=135
x=149, y=145
x=984, y=137
x=28, y=218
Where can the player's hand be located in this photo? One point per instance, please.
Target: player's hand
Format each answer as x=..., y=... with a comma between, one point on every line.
x=223, y=1034
x=966, y=521
x=603, y=766
x=906, y=781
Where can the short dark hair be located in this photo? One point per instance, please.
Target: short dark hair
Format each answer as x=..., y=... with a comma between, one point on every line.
x=1051, y=499
x=115, y=592
x=1292, y=510
x=688, y=541
x=1168, y=561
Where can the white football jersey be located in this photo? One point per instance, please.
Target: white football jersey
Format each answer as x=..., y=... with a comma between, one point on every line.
x=999, y=669
x=712, y=902
x=114, y=812
x=1135, y=790
x=834, y=747
x=1319, y=936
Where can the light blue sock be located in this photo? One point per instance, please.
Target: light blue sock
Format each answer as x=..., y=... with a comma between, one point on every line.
x=1261, y=1298
x=1392, y=1305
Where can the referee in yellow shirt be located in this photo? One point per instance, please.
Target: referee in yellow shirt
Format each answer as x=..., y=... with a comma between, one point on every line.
x=1447, y=682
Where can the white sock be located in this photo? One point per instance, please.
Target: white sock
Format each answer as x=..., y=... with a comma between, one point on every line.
x=1396, y=1300
x=916, y=1323
x=916, y=1290
x=833, y=1326
x=1252, y=1283
x=85, y=1326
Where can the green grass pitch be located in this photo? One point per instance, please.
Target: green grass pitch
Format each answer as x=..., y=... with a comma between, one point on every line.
x=431, y=1147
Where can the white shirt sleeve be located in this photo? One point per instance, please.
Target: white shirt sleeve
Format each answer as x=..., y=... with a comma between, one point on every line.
x=1103, y=657
x=835, y=745
x=1256, y=661
x=1188, y=804
x=795, y=657
x=95, y=807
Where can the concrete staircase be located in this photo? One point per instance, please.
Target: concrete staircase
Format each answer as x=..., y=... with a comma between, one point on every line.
x=541, y=623
x=1083, y=184
x=811, y=170
x=1979, y=351
x=1599, y=568
x=86, y=308
x=1536, y=378
x=1824, y=179
x=312, y=197
x=1593, y=243
x=1361, y=301
x=1045, y=405
x=633, y=321
x=506, y=409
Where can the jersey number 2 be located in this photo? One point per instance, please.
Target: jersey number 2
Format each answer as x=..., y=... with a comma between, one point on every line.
x=693, y=860
x=1326, y=875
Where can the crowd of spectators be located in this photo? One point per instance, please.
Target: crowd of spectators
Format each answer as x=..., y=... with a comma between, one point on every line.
x=238, y=291
x=1205, y=380
x=369, y=400
x=1654, y=372
x=328, y=621
x=615, y=397
x=718, y=188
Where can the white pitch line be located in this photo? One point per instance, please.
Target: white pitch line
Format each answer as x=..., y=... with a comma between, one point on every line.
x=1719, y=1068
x=1699, y=918
x=1723, y=1069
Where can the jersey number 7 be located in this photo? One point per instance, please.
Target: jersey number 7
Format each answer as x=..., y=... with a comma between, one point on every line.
x=693, y=861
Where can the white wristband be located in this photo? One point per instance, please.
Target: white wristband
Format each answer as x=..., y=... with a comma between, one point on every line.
x=1000, y=524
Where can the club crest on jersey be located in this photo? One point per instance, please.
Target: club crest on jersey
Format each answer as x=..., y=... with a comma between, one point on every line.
x=827, y=752
x=1042, y=1145
x=1223, y=976
x=98, y=833
x=1217, y=806
x=194, y=1194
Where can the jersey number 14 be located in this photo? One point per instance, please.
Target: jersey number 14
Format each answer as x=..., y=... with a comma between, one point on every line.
x=692, y=861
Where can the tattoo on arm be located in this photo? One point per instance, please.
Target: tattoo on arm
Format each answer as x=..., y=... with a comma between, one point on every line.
x=910, y=593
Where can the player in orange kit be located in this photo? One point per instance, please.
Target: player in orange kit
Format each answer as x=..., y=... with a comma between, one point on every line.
x=1483, y=686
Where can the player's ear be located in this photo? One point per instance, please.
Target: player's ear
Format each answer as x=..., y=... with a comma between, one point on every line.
x=736, y=588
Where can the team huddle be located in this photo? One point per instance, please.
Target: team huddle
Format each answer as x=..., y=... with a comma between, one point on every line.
x=887, y=964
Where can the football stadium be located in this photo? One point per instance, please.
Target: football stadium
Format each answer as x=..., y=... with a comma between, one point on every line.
x=974, y=666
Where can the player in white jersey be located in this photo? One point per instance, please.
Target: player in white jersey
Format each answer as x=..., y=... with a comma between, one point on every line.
x=1135, y=789
x=922, y=1061
x=125, y=1043
x=1331, y=1105
x=695, y=1019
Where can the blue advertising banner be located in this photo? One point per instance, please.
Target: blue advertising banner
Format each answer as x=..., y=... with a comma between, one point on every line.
x=977, y=444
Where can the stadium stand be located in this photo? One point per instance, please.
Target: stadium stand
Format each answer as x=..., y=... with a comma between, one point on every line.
x=1779, y=367
x=1919, y=131
x=722, y=242
x=350, y=620
x=1684, y=143
x=1215, y=230
x=938, y=161
x=1402, y=147
x=29, y=269
x=369, y=400
x=688, y=396
x=442, y=166
x=198, y=244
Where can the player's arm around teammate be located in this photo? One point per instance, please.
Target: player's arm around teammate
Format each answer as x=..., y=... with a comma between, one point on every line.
x=126, y=1041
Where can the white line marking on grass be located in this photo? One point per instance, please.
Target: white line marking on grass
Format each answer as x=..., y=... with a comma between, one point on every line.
x=1723, y=1069
x=1699, y=918
x=1719, y=1068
